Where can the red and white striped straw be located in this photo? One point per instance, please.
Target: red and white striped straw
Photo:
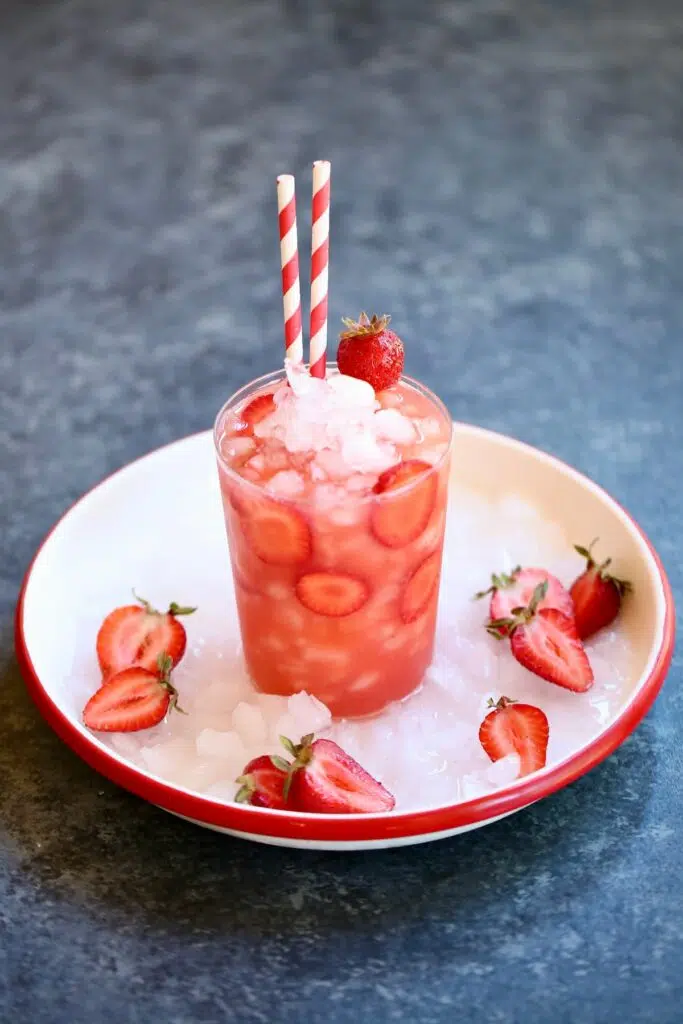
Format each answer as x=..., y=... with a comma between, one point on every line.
x=289, y=261
x=320, y=250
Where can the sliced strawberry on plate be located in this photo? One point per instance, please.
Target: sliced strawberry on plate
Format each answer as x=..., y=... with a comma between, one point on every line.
x=370, y=351
x=516, y=588
x=546, y=641
x=262, y=783
x=332, y=593
x=400, y=518
x=513, y=728
x=324, y=779
x=420, y=587
x=253, y=413
x=133, y=699
x=277, y=533
x=596, y=594
x=137, y=634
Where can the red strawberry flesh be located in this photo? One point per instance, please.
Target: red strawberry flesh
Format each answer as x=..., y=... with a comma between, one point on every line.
x=277, y=533
x=397, y=519
x=420, y=588
x=332, y=594
x=137, y=634
x=550, y=647
x=521, y=729
x=243, y=421
x=327, y=780
x=131, y=700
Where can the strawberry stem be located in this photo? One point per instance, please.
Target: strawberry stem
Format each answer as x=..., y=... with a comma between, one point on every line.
x=364, y=326
x=499, y=582
x=501, y=703
x=165, y=664
x=301, y=752
x=246, y=790
x=180, y=609
x=520, y=616
x=173, y=609
x=145, y=604
x=623, y=586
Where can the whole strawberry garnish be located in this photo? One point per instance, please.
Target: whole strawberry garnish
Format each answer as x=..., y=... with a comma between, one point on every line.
x=133, y=699
x=516, y=588
x=137, y=634
x=324, y=779
x=370, y=351
x=596, y=594
x=513, y=728
x=546, y=641
x=263, y=781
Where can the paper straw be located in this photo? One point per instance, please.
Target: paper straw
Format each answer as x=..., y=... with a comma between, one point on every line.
x=289, y=261
x=320, y=247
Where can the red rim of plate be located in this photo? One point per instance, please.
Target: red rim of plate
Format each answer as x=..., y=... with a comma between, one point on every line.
x=354, y=828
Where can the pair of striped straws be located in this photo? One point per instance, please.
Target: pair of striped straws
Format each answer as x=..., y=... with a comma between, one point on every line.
x=289, y=260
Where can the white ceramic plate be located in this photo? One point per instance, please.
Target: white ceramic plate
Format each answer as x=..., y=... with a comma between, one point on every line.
x=169, y=501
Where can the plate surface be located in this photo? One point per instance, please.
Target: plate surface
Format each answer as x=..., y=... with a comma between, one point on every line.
x=129, y=525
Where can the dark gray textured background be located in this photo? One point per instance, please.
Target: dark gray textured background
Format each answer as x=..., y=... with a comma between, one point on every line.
x=507, y=181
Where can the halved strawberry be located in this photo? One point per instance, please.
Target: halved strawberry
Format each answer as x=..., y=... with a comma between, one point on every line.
x=516, y=588
x=278, y=534
x=513, y=728
x=324, y=779
x=137, y=634
x=420, y=587
x=596, y=594
x=399, y=519
x=133, y=699
x=332, y=593
x=262, y=783
x=546, y=641
x=253, y=413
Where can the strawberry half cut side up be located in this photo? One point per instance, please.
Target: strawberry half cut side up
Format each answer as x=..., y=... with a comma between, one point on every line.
x=137, y=634
x=516, y=588
x=324, y=779
x=133, y=699
x=370, y=351
x=512, y=728
x=546, y=641
x=596, y=594
x=262, y=783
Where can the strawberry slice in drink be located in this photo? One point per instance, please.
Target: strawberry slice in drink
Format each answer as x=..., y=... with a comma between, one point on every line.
x=255, y=411
x=546, y=641
x=133, y=699
x=513, y=728
x=420, y=588
x=332, y=593
x=138, y=634
x=276, y=532
x=400, y=518
x=324, y=779
x=515, y=590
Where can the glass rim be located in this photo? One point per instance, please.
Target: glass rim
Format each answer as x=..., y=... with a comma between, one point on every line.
x=355, y=497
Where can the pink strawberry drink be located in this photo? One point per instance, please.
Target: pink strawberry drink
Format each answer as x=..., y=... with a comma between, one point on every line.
x=335, y=507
